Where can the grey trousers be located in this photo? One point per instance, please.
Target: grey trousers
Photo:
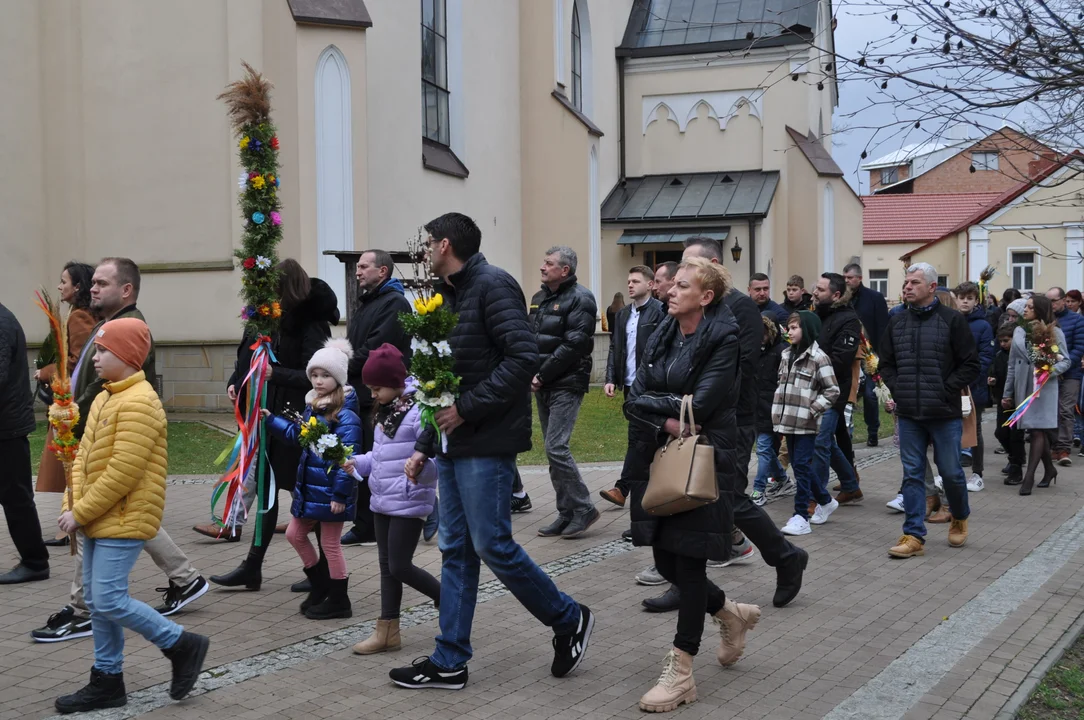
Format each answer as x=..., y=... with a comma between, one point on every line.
x=165, y=553
x=557, y=413
x=1068, y=391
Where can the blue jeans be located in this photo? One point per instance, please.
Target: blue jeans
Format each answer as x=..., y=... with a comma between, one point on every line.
x=476, y=525
x=768, y=464
x=945, y=436
x=828, y=453
x=802, y=449
x=106, y=565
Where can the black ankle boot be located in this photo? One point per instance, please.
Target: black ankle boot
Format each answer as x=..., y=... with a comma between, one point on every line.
x=666, y=602
x=335, y=605
x=187, y=656
x=788, y=578
x=318, y=579
x=247, y=574
x=1015, y=476
x=103, y=691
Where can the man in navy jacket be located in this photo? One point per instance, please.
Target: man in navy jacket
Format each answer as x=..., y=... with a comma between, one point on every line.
x=1072, y=324
x=873, y=312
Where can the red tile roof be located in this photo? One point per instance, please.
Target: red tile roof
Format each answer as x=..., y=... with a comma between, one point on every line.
x=920, y=218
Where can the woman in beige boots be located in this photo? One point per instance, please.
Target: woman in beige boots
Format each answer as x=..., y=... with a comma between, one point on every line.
x=695, y=351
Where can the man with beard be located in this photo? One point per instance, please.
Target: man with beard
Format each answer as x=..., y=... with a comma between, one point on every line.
x=840, y=331
x=375, y=321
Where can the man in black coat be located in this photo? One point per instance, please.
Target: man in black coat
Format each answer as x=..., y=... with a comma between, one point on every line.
x=634, y=324
x=16, y=424
x=839, y=336
x=928, y=356
x=496, y=357
x=760, y=292
x=375, y=321
x=872, y=309
x=563, y=315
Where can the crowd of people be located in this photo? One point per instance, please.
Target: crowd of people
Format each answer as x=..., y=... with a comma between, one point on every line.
x=782, y=378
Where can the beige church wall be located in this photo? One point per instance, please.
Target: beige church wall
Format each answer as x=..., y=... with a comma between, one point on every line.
x=848, y=221
x=703, y=147
x=404, y=195
x=799, y=251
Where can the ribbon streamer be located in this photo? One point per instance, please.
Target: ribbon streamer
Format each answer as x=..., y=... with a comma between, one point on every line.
x=1040, y=380
x=247, y=457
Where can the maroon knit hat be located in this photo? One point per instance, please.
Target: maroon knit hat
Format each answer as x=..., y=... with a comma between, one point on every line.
x=384, y=368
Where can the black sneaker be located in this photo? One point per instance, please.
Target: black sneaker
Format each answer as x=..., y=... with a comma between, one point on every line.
x=965, y=460
x=176, y=597
x=522, y=504
x=103, y=691
x=63, y=625
x=872, y=441
x=422, y=673
x=568, y=650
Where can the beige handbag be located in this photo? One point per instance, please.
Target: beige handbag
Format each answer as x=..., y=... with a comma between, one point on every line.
x=683, y=472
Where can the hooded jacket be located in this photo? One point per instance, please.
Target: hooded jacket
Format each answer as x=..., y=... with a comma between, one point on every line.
x=375, y=321
x=317, y=483
x=563, y=321
x=807, y=389
x=987, y=348
x=839, y=337
x=704, y=365
x=393, y=493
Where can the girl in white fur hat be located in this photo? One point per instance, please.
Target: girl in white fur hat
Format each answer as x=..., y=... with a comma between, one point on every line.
x=324, y=493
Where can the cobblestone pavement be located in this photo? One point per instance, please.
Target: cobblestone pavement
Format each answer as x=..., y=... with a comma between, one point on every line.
x=951, y=635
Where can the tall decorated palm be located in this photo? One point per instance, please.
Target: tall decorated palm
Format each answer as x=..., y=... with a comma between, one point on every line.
x=248, y=103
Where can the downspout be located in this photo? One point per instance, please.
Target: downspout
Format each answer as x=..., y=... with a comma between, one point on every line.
x=621, y=114
x=752, y=246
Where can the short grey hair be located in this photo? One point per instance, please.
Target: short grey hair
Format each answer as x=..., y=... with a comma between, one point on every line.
x=929, y=272
x=853, y=268
x=566, y=257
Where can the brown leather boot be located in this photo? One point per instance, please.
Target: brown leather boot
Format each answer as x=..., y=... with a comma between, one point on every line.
x=676, y=684
x=734, y=620
x=907, y=546
x=941, y=514
x=385, y=638
x=957, y=533
x=933, y=504
x=613, y=495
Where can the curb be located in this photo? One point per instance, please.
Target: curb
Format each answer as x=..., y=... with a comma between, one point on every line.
x=1046, y=663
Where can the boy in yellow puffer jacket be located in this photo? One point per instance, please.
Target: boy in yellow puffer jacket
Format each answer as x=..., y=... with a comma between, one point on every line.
x=119, y=493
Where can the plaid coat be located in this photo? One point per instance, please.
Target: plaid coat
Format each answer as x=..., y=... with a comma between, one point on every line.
x=806, y=390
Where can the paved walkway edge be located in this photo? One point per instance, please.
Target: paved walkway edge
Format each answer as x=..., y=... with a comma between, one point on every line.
x=1027, y=687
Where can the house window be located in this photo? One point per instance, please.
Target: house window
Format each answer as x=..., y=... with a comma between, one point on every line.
x=1023, y=271
x=984, y=160
x=942, y=281
x=890, y=176
x=577, y=61
x=878, y=281
x=435, y=125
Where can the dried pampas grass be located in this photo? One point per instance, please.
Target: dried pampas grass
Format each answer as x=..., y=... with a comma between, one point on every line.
x=248, y=100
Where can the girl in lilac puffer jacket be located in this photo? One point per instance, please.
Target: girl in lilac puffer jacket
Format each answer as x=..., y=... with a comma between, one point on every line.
x=401, y=501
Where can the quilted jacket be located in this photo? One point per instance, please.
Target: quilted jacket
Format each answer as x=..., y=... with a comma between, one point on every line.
x=315, y=488
x=564, y=324
x=393, y=493
x=119, y=475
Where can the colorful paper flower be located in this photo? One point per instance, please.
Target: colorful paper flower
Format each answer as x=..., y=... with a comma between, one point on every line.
x=270, y=177
x=275, y=142
x=276, y=182
x=244, y=142
x=276, y=219
x=248, y=312
x=265, y=310
x=249, y=263
x=256, y=145
x=276, y=310
x=252, y=175
x=262, y=262
x=258, y=218
x=242, y=181
x=258, y=182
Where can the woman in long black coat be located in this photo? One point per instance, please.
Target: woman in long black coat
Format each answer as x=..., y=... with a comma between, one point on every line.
x=694, y=352
x=309, y=308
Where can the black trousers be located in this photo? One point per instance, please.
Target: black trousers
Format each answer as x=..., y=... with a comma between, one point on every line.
x=843, y=437
x=363, y=516
x=17, y=499
x=750, y=519
x=1010, y=438
x=396, y=541
x=699, y=596
x=634, y=469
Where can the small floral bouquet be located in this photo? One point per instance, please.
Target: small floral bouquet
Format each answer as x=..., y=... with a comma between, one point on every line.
x=1044, y=353
x=315, y=435
x=871, y=367
x=432, y=365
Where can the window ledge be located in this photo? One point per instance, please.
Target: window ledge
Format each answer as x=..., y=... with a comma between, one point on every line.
x=440, y=158
x=591, y=127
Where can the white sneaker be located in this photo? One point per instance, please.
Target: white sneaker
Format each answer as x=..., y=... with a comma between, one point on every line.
x=743, y=554
x=820, y=515
x=975, y=483
x=896, y=503
x=780, y=488
x=939, y=483
x=797, y=525
x=650, y=576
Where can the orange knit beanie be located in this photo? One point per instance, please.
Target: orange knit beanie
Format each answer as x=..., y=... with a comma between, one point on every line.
x=127, y=338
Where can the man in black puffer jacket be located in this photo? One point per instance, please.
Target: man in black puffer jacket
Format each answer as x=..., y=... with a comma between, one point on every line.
x=496, y=357
x=16, y=424
x=928, y=356
x=563, y=316
x=840, y=331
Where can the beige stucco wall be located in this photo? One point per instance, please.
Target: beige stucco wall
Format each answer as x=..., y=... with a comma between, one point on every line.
x=887, y=257
x=848, y=221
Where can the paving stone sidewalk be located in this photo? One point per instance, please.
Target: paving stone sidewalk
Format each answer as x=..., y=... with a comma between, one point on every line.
x=954, y=634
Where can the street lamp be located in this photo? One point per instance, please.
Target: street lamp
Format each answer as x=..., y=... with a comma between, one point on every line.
x=735, y=252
